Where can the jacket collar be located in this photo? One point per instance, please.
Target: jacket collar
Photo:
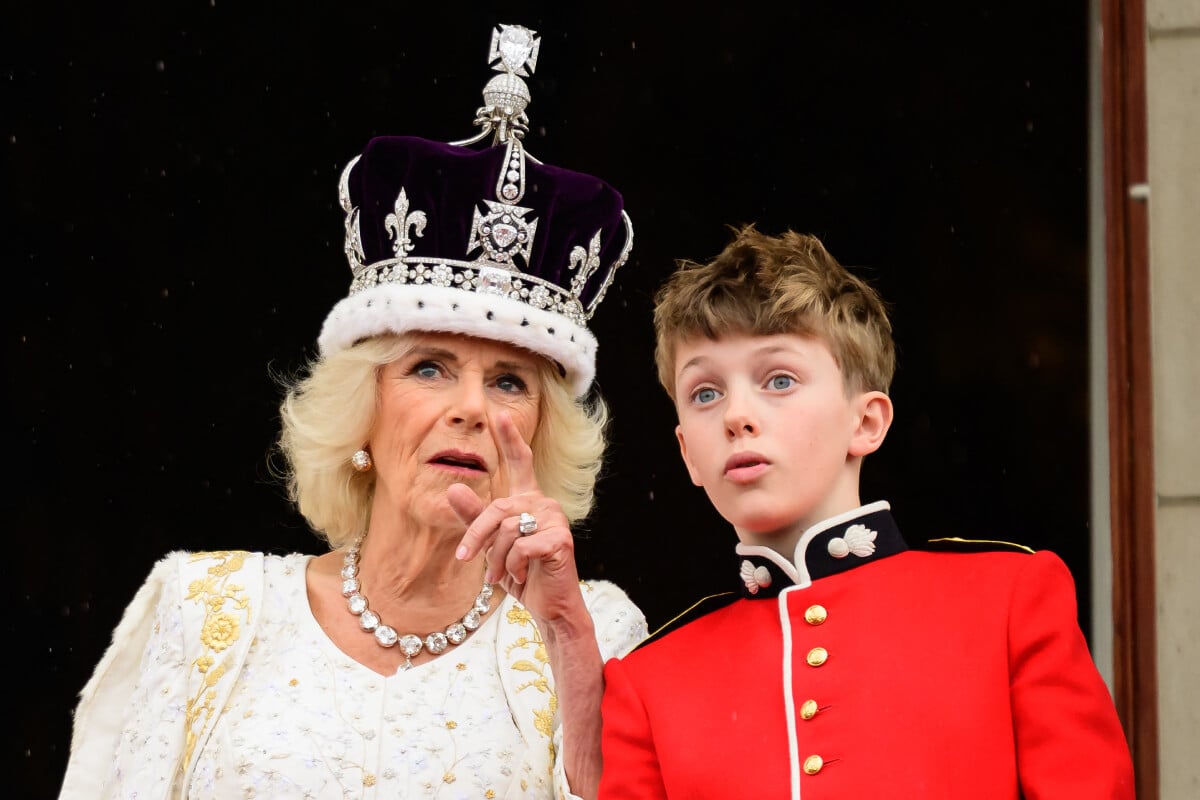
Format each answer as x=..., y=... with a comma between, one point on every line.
x=840, y=543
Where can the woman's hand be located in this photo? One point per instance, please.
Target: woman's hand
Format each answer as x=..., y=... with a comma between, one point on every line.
x=538, y=569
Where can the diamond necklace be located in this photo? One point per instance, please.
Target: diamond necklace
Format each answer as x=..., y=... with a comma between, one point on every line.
x=410, y=644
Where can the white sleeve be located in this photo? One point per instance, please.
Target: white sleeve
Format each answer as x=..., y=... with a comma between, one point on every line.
x=620, y=625
x=128, y=730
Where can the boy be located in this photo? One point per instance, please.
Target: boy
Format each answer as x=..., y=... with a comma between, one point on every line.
x=851, y=666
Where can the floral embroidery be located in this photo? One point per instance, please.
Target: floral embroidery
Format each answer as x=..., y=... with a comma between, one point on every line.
x=405, y=738
x=221, y=628
x=220, y=631
x=543, y=719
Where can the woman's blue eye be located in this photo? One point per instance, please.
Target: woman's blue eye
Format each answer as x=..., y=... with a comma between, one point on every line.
x=426, y=369
x=782, y=382
x=510, y=383
x=705, y=395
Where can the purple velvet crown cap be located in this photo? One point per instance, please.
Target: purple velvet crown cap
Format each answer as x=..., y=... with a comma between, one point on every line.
x=448, y=182
x=489, y=243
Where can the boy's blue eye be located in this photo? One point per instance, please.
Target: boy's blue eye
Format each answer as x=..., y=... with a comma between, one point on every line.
x=705, y=396
x=781, y=382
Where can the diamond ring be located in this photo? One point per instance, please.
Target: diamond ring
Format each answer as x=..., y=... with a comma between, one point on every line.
x=527, y=523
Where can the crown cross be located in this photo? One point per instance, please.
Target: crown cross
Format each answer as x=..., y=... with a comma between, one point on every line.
x=503, y=233
x=515, y=47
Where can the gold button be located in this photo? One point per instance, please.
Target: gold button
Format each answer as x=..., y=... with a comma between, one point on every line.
x=817, y=656
x=808, y=710
x=815, y=614
x=813, y=764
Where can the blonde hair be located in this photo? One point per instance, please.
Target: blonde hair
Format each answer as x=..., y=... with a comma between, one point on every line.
x=328, y=412
x=761, y=285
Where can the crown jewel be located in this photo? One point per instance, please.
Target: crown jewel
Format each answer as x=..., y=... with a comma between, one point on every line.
x=515, y=47
x=494, y=223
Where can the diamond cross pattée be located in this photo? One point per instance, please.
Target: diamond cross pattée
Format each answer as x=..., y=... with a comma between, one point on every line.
x=516, y=46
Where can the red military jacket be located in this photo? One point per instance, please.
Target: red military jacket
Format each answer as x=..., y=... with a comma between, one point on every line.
x=870, y=671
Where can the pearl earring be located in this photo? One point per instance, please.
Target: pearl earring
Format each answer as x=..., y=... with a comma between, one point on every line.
x=361, y=460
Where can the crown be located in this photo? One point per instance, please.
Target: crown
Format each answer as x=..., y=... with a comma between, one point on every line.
x=489, y=242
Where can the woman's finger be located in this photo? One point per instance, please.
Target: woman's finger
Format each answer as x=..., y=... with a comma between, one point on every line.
x=464, y=502
x=516, y=457
x=505, y=557
x=497, y=530
x=485, y=526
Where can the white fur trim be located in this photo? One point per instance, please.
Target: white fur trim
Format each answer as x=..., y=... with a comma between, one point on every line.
x=399, y=308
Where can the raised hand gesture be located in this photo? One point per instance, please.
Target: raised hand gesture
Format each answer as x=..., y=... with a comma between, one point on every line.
x=525, y=536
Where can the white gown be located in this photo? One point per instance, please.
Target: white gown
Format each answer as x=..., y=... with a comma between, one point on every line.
x=300, y=719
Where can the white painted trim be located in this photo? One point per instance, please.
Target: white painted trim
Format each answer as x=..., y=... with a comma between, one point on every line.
x=1100, y=517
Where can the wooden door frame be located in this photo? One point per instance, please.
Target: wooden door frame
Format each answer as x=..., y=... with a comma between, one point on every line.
x=1130, y=396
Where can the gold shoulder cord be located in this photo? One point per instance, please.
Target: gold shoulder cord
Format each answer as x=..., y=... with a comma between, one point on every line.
x=984, y=541
x=683, y=614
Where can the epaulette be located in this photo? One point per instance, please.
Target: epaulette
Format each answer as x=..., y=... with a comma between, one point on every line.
x=956, y=544
x=705, y=605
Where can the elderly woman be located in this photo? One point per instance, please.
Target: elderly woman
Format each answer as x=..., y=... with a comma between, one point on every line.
x=442, y=443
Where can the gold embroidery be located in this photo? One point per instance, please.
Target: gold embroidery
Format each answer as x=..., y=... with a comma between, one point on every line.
x=544, y=719
x=221, y=628
x=519, y=615
x=536, y=662
x=368, y=779
x=213, y=675
x=220, y=631
x=448, y=778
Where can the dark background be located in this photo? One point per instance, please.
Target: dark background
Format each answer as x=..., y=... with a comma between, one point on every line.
x=170, y=236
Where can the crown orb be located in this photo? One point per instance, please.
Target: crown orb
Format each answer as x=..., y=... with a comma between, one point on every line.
x=508, y=92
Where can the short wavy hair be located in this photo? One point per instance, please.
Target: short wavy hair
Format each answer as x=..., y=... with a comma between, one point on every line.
x=329, y=409
x=762, y=285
